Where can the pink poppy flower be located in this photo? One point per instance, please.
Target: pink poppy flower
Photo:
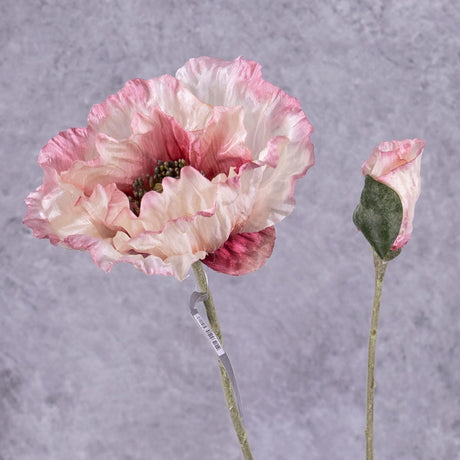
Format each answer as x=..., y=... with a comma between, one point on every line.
x=397, y=165
x=174, y=170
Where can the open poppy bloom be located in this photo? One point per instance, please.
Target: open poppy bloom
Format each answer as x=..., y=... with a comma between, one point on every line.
x=174, y=170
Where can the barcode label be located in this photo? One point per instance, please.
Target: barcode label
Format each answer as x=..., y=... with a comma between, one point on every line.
x=213, y=340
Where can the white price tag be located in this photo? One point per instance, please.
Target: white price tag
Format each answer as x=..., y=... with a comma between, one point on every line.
x=213, y=340
x=195, y=298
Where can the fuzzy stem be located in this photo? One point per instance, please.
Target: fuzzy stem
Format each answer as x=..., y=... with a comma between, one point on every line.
x=230, y=399
x=380, y=267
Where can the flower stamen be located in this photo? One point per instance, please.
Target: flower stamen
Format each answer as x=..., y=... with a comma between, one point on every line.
x=145, y=184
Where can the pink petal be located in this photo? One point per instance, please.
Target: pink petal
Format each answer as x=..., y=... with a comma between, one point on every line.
x=65, y=148
x=192, y=194
x=66, y=211
x=192, y=215
x=156, y=136
x=389, y=156
x=268, y=109
x=284, y=163
x=175, y=100
x=218, y=82
x=36, y=217
x=278, y=130
x=113, y=116
x=119, y=162
x=222, y=146
x=160, y=137
x=243, y=252
x=405, y=180
x=65, y=217
x=105, y=256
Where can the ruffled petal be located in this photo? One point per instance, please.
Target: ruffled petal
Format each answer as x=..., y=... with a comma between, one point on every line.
x=119, y=162
x=63, y=214
x=284, y=163
x=219, y=82
x=36, y=217
x=269, y=111
x=105, y=256
x=67, y=147
x=243, y=253
x=389, y=156
x=154, y=137
x=192, y=214
x=278, y=131
x=113, y=117
x=160, y=137
x=405, y=181
x=175, y=100
x=221, y=145
x=182, y=198
x=66, y=211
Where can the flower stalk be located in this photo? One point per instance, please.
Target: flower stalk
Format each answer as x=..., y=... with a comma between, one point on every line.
x=229, y=394
x=380, y=268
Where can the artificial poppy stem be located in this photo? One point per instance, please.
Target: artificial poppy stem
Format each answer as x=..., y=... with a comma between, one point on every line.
x=229, y=394
x=380, y=267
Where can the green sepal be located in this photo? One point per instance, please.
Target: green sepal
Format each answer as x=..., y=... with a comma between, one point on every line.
x=379, y=215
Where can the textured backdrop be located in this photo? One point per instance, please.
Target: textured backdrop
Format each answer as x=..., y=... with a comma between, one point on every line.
x=112, y=367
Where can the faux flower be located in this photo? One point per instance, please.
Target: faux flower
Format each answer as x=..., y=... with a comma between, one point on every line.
x=386, y=212
x=174, y=170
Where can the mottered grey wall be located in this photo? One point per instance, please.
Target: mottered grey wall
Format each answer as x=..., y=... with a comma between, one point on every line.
x=111, y=366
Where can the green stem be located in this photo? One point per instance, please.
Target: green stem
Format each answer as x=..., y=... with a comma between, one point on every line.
x=230, y=399
x=380, y=267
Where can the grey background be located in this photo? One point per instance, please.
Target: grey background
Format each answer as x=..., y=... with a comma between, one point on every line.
x=96, y=366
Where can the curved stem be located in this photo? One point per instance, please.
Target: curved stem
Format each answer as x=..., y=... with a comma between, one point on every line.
x=230, y=399
x=380, y=267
